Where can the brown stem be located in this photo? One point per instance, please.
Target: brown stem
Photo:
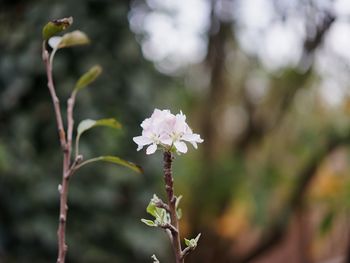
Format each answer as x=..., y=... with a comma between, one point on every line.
x=66, y=145
x=55, y=100
x=169, y=187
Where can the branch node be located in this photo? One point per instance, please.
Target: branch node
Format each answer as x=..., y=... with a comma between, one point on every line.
x=62, y=219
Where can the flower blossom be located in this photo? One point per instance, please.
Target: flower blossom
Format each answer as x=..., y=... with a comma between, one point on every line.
x=168, y=131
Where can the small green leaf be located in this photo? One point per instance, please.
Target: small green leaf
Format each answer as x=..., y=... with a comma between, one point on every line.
x=75, y=38
x=88, y=77
x=88, y=124
x=187, y=242
x=148, y=222
x=192, y=243
x=56, y=26
x=85, y=125
x=117, y=160
x=152, y=209
x=326, y=223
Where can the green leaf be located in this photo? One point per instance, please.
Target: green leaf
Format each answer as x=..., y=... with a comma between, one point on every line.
x=187, y=242
x=326, y=223
x=152, y=209
x=54, y=27
x=148, y=222
x=88, y=77
x=192, y=243
x=117, y=160
x=88, y=124
x=75, y=38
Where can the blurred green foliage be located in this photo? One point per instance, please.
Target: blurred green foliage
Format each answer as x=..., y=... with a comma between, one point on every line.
x=105, y=202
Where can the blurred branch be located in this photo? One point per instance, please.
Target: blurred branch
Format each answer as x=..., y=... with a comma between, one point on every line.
x=296, y=80
x=313, y=41
x=278, y=229
x=215, y=60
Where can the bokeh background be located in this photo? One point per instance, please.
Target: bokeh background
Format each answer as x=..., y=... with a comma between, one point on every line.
x=265, y=83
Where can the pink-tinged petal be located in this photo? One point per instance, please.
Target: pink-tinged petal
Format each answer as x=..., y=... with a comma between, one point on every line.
x=142, y=140
x=165, y=139
x=139, y=148
x=146, y=123
x=192, y=137
x=180, y=146
x=151, y=149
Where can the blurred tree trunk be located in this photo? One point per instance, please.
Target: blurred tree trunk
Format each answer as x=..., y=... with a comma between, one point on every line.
x=281, y=98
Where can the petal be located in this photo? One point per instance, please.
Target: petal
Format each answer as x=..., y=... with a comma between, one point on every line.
x=194, y=145
x=180, y=146
x=151, y=149
x=142, y=140
x=166, y=140
x=139, y=148
x=192, y=137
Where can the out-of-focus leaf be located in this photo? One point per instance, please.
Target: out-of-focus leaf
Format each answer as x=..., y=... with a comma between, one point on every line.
x=75, y=38
x=148, y=222
x=187, y=242
x=89, y=124
x=326, y=223
x=117, y=160
x=192, y=243
x=56, y=26
x=152, y=209
x=88, y=77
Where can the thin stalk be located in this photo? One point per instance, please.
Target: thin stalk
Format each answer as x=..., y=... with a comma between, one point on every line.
x=66, y=149
x=169, y=187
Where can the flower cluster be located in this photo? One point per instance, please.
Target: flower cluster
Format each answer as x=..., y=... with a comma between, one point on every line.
x=168, y=131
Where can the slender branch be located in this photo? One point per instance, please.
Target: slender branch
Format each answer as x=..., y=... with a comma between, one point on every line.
x=169, y=187
x=187, y=251
x=55, y=100
x=171, y=228
x=66, y=148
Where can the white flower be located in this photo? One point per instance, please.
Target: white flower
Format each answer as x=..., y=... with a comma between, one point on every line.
x=166, y=130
